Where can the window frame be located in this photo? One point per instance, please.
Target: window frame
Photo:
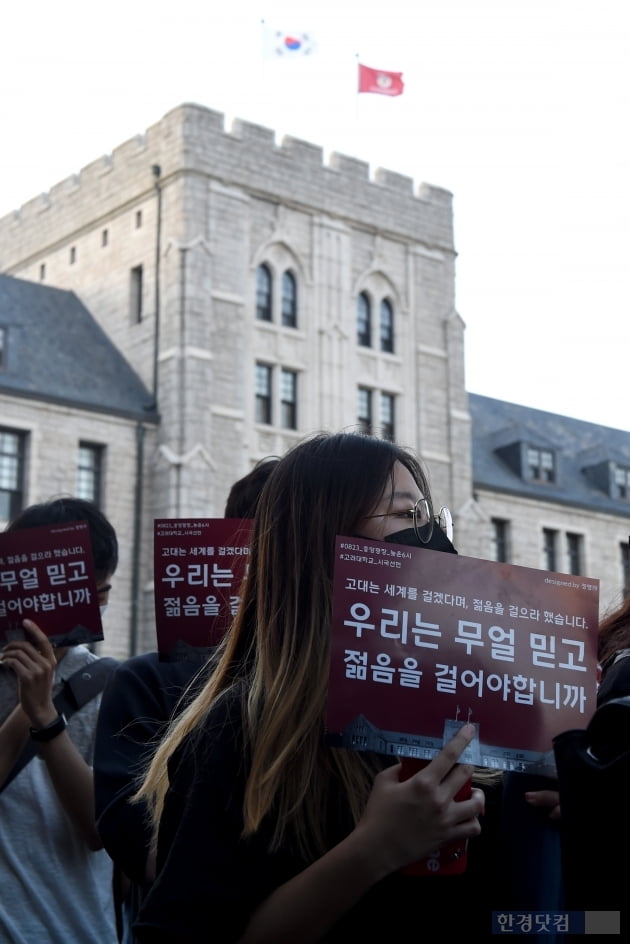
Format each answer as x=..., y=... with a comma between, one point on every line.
x=288, y=300
x=386, y=325
x=264, y=294
x=575, y=552
x=541, y=464
x=364, y=320
x=550, y=549
x=388, y=426
x=288, y=406
x=501, y=539
x=263, y=399
x=93, y=471
x=621, y=488
x=14, y=503
x=136, y=294
x=365, y=421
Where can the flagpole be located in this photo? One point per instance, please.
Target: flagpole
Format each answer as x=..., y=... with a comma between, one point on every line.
x=356, y=94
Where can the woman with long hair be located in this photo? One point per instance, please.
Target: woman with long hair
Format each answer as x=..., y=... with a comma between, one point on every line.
x=264, y=833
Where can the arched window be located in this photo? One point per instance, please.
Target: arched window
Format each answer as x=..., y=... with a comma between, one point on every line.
x=263, y=293
x=364, y=319
x=387, y=326
x=289, y=300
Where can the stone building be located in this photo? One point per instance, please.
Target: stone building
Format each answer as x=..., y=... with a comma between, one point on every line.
x=553, y=492
x=259, y=294
x=75, y=418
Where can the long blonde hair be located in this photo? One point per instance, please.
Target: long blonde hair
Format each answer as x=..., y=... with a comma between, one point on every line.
x=275, y=656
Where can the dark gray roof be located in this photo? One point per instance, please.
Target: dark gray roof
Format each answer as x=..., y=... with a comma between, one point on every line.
x=57, y=352
x=578, y=446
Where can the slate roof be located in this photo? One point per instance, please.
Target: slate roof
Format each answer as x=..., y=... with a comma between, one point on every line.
x=579, y=445
x=56, y=351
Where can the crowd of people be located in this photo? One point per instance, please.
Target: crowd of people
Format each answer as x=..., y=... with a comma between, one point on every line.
x=193, y=801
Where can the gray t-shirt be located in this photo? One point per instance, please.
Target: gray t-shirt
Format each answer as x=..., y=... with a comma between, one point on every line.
x=54, y=889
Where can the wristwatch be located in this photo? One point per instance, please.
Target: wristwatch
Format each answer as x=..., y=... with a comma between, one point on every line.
x=51, y=730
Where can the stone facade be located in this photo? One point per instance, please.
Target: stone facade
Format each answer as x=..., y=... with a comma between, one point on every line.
x=222, y=204
x=603, y=538
x=162, y=241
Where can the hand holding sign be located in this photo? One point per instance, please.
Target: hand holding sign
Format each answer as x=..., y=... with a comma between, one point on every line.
x=451, y=858
x=406, y=820
x=33, y=661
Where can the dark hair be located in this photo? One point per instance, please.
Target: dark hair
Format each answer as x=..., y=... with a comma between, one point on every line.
x=275, y=656
x=614, y=631
x=60, y=510
x=245, y=493
x=320, y=488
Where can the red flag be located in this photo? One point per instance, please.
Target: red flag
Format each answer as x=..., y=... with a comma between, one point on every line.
x=376, y=80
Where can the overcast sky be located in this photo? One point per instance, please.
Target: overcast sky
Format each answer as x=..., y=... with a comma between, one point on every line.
x=519, y=107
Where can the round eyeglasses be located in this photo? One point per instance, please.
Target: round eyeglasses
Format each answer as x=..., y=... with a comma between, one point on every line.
x=423, y=520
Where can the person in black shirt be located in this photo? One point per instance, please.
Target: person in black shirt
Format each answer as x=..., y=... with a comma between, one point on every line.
x=263, y=832
x=137, y=704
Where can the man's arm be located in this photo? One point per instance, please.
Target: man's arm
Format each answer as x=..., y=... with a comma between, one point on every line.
x=34, y=664
x=136, y=706
x=14, y=735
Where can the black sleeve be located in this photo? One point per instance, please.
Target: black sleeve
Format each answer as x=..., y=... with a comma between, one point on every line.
x=136, y=705
x=530, y=844
x=210, y=879
x=208, y=876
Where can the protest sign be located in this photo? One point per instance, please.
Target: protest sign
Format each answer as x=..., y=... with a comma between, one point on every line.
x=47, y=575
x=199, y=565
x=424, y=641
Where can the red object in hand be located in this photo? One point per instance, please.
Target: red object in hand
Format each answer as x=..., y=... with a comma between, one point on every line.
x=449, y=859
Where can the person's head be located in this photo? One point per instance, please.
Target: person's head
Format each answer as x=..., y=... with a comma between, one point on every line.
x=327, y=485
x=103, y=540
x=330, y=484
x=242, y=500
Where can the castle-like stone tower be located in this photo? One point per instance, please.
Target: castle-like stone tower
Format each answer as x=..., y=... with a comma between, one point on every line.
x=261, y=294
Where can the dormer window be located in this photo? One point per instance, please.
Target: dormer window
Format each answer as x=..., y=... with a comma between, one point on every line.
x=541, y=465
x=537, y=465
x=622, y=483
x=609, y=477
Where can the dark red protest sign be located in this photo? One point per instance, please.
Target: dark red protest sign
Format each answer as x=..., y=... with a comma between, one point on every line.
x=199, y=565
x=423, y=641
x=47, y=575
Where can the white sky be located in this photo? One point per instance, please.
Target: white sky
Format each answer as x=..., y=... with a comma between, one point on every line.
x=519, y=107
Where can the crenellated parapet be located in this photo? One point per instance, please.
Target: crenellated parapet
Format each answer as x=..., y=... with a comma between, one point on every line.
x=193, y=139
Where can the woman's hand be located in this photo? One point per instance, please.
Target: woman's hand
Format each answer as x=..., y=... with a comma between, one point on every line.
x=33, y=661
x=405, y=821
